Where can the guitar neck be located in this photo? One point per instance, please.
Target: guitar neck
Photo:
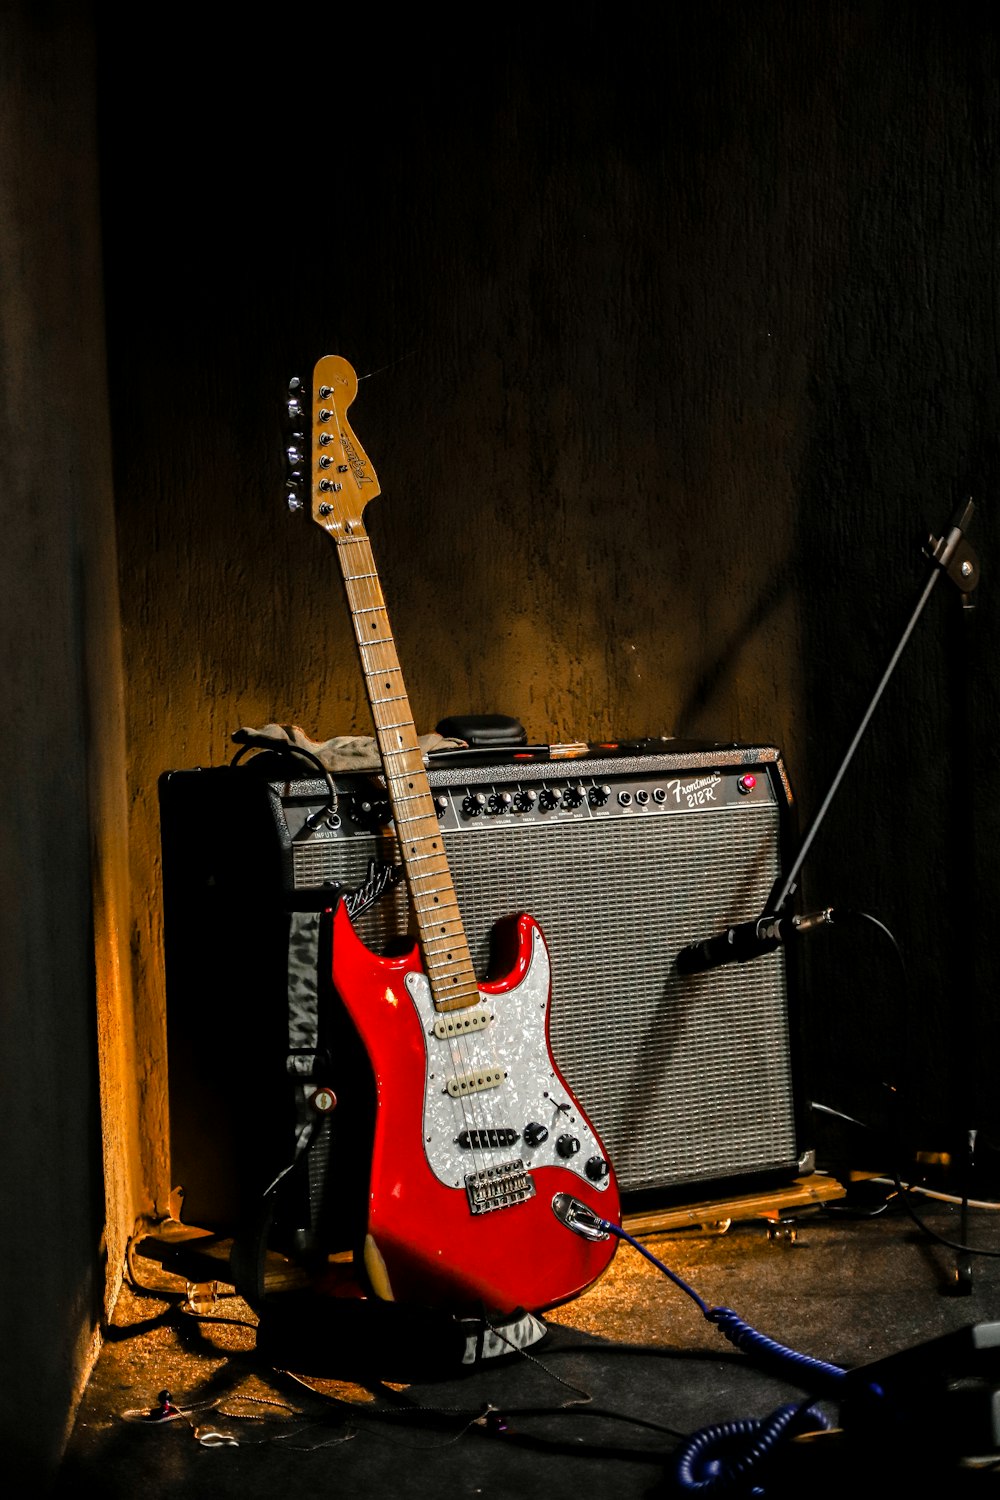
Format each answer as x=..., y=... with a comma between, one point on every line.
x=446, y=955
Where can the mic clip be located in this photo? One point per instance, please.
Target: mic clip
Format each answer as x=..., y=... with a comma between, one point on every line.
x=744, y=941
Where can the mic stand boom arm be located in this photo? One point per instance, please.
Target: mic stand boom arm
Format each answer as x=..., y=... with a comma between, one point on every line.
x=950, y=554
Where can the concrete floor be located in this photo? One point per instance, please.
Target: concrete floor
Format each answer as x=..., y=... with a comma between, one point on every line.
x=600, y=1405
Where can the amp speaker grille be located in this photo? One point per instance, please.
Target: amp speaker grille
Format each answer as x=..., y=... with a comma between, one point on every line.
x=686, y=1078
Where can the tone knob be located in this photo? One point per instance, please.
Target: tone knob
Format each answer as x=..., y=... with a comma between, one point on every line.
x=535, y=1134
x=567, y=1145
x=525, y=801
x=549, y=798
x=473, y=804
x=573, y=796
x=598, y=795
x=597, y=1168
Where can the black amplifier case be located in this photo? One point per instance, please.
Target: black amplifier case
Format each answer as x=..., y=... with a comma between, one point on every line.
x=624, y=854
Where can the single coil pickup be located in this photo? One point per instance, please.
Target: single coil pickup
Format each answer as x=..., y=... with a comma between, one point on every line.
x=499, y=1187
x=459, y=1022
x=480, y=1140
x=475, y=1083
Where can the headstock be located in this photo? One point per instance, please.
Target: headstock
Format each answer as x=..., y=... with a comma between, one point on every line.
x=326, y=458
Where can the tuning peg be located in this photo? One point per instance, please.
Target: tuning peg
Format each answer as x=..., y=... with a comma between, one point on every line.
x=292, y=499
x=294, y=405
x=293, y=452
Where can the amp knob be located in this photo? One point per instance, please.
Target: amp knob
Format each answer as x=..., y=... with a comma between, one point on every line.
x=548, y=798
x=573, y=796
x=370, y=812
x=567, y=1145
x=473, y=804
x=499, y=802
x=525, y=801
x=598, y=795
x=440, y=806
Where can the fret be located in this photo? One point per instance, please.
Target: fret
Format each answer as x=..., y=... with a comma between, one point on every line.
x=445, y=940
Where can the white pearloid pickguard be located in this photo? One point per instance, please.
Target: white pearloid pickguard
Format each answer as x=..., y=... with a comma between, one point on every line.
x=514, y=1041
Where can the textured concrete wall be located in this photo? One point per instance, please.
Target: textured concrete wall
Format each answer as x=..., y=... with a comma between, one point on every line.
x=678, y=334
x=68, y=1205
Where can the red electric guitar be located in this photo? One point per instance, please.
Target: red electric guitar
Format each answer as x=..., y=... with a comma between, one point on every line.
x=487, y=1178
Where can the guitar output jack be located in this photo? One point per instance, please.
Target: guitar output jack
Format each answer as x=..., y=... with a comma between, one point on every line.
x=578, y=1217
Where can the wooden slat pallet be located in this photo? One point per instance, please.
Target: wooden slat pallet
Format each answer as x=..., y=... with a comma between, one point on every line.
x=713, y=1216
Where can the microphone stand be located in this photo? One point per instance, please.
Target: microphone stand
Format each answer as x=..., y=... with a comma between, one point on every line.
x=953, y=556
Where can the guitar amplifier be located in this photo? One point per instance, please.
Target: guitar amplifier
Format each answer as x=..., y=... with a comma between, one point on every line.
x=624, y=854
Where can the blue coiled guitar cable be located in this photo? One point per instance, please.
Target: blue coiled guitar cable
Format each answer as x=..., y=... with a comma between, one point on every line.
x=724, y=1458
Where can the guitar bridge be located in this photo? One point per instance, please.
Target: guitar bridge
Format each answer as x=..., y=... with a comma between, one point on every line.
x=499, y=1187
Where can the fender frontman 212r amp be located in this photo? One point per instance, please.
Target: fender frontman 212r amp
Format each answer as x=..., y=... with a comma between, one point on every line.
x=623, y=853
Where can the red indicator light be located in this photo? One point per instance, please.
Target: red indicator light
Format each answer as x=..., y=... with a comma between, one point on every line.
x=746, y=784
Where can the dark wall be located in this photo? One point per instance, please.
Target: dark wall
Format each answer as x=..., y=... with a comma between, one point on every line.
x=677, y=331
x=62, y=818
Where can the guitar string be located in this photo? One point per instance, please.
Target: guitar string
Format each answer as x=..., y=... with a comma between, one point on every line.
x=364, y=596
x=363, y=585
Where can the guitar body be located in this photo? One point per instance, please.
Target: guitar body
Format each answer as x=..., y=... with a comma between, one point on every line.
x=475, y=1134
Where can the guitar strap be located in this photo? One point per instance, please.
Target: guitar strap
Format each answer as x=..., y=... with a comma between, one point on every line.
x=303, y=1019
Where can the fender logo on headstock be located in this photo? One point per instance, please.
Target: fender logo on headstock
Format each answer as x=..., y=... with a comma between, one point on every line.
x=355, y=460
